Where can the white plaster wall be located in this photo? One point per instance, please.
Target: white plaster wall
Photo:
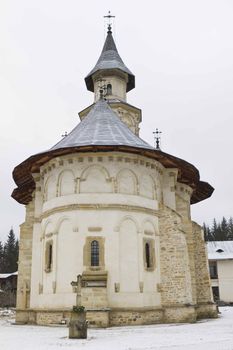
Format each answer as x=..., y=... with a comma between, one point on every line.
x=122, y=232
x=225, y=280
x=128, y=256
x=120, y=185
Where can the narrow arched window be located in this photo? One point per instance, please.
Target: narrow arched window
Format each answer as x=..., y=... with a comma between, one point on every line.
x=49, y=256
x=94, y=253
x=147, y=251
x=109, y=89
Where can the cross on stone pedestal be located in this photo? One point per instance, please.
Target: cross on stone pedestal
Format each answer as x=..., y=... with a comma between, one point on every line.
x=78, y=322
x=24, y=290
x=78, y=285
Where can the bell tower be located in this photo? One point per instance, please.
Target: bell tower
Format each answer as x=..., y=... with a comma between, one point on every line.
x=115, y=80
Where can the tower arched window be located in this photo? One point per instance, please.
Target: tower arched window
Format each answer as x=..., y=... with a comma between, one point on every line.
x=109, y=89
x=94, y=253
x=148, y=258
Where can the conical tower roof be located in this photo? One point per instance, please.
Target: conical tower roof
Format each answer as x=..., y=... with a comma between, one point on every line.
x=101, y=126
x=110, y=59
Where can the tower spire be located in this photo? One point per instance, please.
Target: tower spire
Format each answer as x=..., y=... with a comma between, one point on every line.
x=110, y=62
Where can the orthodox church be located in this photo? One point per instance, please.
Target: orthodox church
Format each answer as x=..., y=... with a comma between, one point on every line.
x=104, y=205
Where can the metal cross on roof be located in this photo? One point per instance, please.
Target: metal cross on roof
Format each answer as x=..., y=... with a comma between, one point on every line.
x=157, y=138
x=64, y=135
x=109, y=16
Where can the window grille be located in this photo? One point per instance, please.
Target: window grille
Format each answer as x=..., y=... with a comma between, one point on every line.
x=94, y=253
x=109, y=89
x=147, y=248
x=213, y=269
x=49, y=256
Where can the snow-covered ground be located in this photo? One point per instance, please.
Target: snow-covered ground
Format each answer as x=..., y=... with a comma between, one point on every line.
x=215, y=334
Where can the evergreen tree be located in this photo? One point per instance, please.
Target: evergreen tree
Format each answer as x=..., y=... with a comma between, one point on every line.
x=11, y=253
x=224, y=229
x=230, y=229
x=207, y=233
x=1, y=257
x=218, y=235
x=214, y=230
x=219, y=231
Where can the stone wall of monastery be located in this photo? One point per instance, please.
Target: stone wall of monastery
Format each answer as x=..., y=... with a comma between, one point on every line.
x=124, y=202
x=25, y=263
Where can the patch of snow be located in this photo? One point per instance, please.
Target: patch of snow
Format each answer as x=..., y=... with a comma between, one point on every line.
x=7, y=313
x=214, y=334
x=6, y=275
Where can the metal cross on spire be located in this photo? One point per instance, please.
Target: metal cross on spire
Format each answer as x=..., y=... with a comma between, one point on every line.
x=109, y=16
x=157, y=138
x=64, y=135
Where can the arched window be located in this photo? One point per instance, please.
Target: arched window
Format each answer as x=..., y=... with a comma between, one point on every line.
x=147, y=251
x=94, y=253
x=109, y=89
x=48, y=256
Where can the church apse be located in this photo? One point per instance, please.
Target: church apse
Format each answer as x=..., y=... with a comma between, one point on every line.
x=105, y=205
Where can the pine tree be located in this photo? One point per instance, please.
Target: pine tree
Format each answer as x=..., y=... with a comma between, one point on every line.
x=230, y=229
x=219, y=234
x=1, y=258
x=11, y=254
x=224, y=229
x=214, y=229
x=219, y=231
x=207, y=233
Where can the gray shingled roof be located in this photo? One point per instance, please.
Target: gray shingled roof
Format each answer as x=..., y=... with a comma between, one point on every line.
x=101, y=126
x=220, y=250
x=110, y=59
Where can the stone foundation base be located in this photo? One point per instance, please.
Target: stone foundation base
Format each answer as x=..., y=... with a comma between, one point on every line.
x=121, y=317
x=180, y=314
x=207, y=311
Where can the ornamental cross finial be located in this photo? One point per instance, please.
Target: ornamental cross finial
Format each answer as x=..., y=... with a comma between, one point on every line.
x=102, y=87
x=109, y=16
x=157, y=138
x=64, y=135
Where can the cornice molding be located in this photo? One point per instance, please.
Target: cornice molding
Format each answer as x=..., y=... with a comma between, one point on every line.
x=122, y=207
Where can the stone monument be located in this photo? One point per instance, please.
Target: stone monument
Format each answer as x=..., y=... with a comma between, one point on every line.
x=78, y=322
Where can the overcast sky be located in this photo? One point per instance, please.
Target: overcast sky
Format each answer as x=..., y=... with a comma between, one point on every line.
x=181, y=53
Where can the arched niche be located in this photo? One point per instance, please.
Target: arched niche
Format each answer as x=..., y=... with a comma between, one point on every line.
x=147, y=187
x=68, y=251
x=47, y=227
x=128, y=259
x=49, y=188
x=126, y=182
x=95, y=179
x=66, y=183
x=148, y=227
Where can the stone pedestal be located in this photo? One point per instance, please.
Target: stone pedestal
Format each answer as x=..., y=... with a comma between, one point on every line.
x=78, y=325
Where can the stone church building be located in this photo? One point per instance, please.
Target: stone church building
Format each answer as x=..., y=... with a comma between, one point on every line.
x=104, y=204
